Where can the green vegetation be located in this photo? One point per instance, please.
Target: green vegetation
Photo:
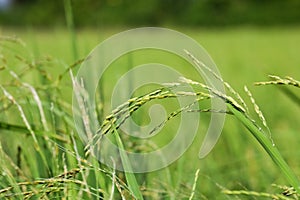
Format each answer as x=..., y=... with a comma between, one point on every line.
x=41, y=155
x=208, y=13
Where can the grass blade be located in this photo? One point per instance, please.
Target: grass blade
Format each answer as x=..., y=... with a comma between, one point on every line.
x=70, y=24
x=22, y=129
x=290, y=94
x=195, y=184
x=130, y=178
x=268, y=146
x=276, y=80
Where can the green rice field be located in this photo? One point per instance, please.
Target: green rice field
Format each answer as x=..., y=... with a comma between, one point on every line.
x=42, y=156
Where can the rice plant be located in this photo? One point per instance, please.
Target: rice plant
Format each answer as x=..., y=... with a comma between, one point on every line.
x=280, y=83
x=50, y=156
x=239, y=111
x=48, y=160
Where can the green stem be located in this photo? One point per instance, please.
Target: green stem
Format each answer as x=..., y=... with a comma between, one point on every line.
x=269, y=148
x=130, y=177
x=71, y=27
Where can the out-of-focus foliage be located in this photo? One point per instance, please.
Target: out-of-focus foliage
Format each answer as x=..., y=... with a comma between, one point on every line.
x=153, y=12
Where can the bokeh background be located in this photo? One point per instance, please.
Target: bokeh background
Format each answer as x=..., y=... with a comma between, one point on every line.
x=247, y=39
x=208, y=13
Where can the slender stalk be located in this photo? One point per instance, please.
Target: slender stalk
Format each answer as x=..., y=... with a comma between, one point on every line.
x=22, y=129
x=268, y=146
x=130, y=178
x=70, y=24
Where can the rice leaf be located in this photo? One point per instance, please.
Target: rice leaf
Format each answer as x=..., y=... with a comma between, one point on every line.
x=130, y=178
x=268, y=146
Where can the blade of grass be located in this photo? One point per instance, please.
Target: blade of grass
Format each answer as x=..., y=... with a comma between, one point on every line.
x=8, y=175
x=195, y=184
x=36, y=144
x=290, y=95
x=130, y=178
x=70, y=24
x=255, y=194
x=23, y=129
x=268, y=146
x=278, y=81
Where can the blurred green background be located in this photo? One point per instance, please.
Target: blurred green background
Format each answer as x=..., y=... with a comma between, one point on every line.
x=248, y=39
x=152, y=12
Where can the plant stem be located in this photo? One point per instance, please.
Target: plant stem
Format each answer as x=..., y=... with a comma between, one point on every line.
x=269, y=147
x=130, y=177
x=70, y=24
